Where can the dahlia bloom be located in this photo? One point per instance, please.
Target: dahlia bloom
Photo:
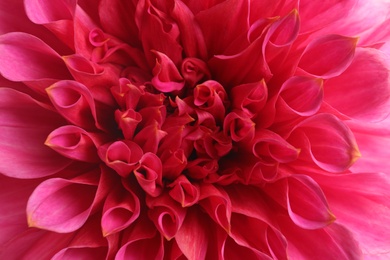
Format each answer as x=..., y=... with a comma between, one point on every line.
x=186, y=129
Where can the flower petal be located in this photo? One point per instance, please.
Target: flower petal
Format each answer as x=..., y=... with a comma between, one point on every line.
x=339, y=52
x=62, y=205
x=349, y=94
x=22, y=150
x=18, y=49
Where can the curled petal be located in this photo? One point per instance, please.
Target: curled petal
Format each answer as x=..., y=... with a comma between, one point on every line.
x=166, y=76
x=75, y=143
x=141, y=241
x=238, y=126
x=149, y=174
x=329, y=142
x=339, y=52
x=128, y=121
x=167, y=215
x=201, y=167
x=121, y=208
x=304, y=201
x=57, y=16
x=62, y=205
x=267, y=144
x=75, y=102
x=217, y=204
x=174, y=163
x=184, y=192
x=250, y=97
x=23, y=133
x=122, y=156
x=149, y=137
x=194, y=70
x=126, y=93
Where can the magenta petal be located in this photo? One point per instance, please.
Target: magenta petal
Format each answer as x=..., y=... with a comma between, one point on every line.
x=61, y=205
x=149, y=174
x=23, y=133
x=192, y=237
x=361, y=203
x=184, y=192
x=304, y=200
x=18, y=49
x=120, y=209
x=337, y=151
x=75, y=143
x=348, y=93
x=75, y=102
x=301, y=96
x=339, y=55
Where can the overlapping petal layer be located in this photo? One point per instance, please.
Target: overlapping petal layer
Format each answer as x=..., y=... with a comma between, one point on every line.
x=183, y=129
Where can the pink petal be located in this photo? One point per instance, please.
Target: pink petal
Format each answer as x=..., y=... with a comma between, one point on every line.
x=23, y=133
x=35, y=242
x=128, y=121
x=74, y=101
x=18, y=49
x=335, y=153
x=173, y=163
x=304, y=200
x=217, y=205
x=55, y=15
x=339, y=51
x=120, y=209
x=332, y=242
x=13, y=211
x=301, y=96
x=192, y=237
x=149, y=174
x=166, y=214
x=184, y=192
x=239, y=126
x=194, y=70
x=167, y=77
x=122, y=156
x=348, y=93
x=75, y=143
x=232, y=250
x=142, y=241
x=250, y=98
x=361, y=203
x=62, y=205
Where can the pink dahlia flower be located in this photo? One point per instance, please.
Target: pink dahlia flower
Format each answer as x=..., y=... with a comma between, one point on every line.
x=186, y=129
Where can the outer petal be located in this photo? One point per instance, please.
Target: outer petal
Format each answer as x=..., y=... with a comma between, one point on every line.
x=23, y=130
x=18, y=49
x=361, y=203
x=349, y=94
x=62, y=205
x=338, y=50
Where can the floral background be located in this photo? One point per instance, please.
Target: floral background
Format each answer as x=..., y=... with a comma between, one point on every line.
x=185, y=129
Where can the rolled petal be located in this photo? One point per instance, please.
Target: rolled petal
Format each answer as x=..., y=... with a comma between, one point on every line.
x=184, y=192
x=75, y=102
x=336, y=152
x=142, y=241
x=268, y=145
x=75, y=143
x=348, y=93
x=128, y=121
x=120, y=210
x=122, y=156
x=217, y=204
x=238, y=126
x=22, y=150
x=62, y=205
x=250, y=97
x=166, y=78
x=166, y=214
x=149, y=174
x=194, y=70
x=339, y=52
